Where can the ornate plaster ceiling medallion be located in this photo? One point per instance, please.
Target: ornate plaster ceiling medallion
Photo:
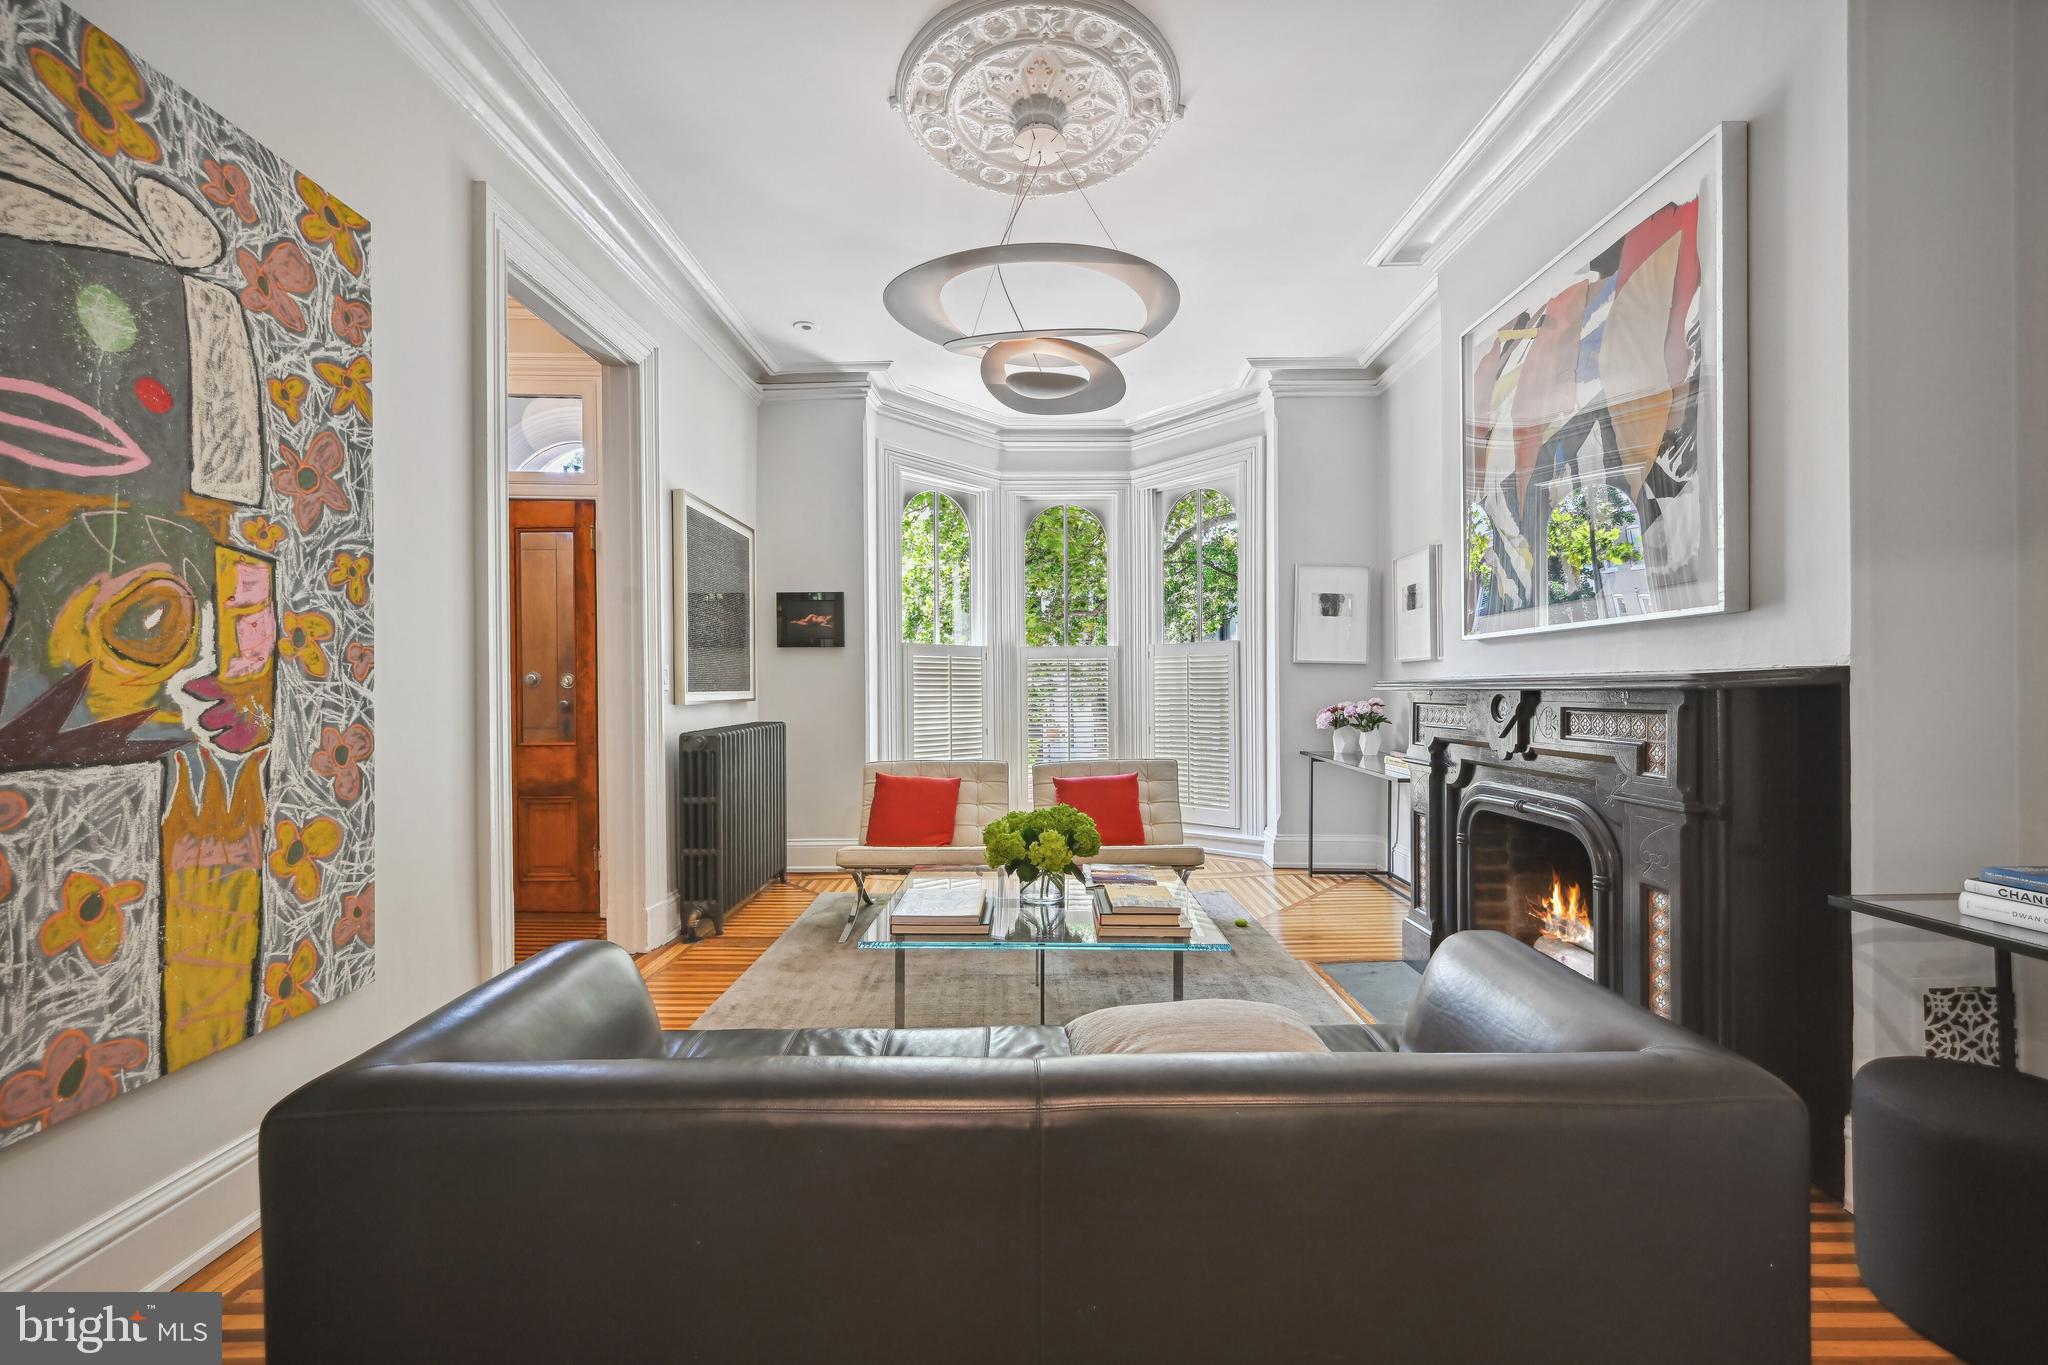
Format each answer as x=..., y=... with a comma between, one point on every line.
x=1077, y=92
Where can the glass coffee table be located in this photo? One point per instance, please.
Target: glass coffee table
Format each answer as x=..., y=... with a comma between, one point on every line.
x=1016, y=927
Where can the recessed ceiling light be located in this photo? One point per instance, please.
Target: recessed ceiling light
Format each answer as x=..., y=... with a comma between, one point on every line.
x=804, y=326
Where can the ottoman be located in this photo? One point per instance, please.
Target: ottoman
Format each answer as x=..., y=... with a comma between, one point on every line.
x=1952, y=1201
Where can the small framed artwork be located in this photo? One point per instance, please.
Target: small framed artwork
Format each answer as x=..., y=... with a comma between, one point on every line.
x=1332, y=614
x=810, y=620
x=714, y=603
x=1415, y=614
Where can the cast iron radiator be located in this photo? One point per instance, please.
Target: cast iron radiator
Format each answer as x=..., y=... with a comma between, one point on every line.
x=732, y=818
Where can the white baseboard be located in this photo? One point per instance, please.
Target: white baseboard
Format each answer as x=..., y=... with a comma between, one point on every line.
x=1333, y=854
x=147, y=1243
x=1228, y=845
x=818, y=854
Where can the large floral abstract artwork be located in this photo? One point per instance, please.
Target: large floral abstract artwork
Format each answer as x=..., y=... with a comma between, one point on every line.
x=186, y=841
x=1604, y=426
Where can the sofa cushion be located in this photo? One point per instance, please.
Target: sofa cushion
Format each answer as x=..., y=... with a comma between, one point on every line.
x=1111, y=801
x=913, y=812
x=1194, y=1026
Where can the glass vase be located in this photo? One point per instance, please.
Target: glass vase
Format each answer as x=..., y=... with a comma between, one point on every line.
x=1040, y=889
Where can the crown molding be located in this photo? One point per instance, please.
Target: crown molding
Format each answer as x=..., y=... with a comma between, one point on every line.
x=473, y=52
x=1600, y=46
x=851, y=380
x=1410, y=336
x=1314, y=376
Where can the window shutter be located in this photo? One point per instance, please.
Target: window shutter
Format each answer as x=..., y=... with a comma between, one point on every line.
x=1066, y=707
x=1194, y=711
x=946, y=703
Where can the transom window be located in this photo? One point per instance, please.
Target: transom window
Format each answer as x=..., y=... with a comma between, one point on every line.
x=1198, y=553
x=937, y=578
x=1066, y=578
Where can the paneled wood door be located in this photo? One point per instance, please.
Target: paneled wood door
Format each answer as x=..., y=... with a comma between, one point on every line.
x=554, y=690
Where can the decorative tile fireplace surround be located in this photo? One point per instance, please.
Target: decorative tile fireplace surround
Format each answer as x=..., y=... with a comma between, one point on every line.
x=1674, y=837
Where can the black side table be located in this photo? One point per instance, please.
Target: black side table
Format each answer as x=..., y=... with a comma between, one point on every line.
x=1936, y=912
x=1373, y=767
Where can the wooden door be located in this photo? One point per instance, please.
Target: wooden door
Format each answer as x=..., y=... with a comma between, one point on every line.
x=554, y=693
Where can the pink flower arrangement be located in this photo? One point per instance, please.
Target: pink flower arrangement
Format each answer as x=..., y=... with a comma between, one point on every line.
x=1369, y=714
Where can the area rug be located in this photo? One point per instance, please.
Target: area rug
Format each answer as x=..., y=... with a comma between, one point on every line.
x=809, y=979
x=1382, y=989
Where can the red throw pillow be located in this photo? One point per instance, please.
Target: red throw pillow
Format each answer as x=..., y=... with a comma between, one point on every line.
x=913, y=812
x=1112, y=802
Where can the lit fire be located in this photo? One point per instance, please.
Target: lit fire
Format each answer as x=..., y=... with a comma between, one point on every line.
x=1564, y=914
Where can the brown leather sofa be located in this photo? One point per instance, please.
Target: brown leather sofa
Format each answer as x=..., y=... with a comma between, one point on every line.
x=537, y=1172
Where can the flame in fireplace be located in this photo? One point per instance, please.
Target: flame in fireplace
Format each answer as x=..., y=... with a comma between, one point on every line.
x=1565, y=914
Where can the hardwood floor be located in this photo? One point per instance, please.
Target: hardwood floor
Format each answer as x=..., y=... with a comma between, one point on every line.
x=1320, y=919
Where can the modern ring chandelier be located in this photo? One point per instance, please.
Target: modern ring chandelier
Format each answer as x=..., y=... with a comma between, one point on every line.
x=1035, y=99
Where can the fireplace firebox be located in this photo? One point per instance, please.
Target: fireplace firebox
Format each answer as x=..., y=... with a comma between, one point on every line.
x=1673, y=838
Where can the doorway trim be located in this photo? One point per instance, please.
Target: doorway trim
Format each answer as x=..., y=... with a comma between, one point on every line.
x=515, y=258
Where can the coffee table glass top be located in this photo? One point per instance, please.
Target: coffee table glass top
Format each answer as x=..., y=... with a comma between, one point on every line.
x=1018, y=927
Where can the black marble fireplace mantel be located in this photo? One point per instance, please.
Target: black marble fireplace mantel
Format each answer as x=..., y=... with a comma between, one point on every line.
x=1713, y=807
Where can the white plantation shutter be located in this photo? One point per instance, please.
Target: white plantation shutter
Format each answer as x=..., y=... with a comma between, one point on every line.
x=1066, y=705
x=1194, y=720
x=946, y=690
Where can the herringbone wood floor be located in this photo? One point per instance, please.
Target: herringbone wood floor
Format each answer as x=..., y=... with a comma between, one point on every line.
x=1320, y=919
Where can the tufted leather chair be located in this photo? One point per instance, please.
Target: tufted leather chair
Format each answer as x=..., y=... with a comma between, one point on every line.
x=984, y=796
x=1158, y=802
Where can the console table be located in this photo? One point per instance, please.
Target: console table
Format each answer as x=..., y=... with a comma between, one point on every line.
x=1373, y=767
x=1937, y=913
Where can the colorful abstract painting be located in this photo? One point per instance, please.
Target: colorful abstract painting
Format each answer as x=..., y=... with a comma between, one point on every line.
x=1603, y=425
x=186, y=840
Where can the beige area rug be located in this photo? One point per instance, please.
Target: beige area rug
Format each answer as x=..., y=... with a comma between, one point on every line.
x=811, y=980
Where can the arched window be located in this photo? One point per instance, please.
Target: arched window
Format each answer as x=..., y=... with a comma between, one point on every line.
x=1198, y=567
x=1066, y=578
x=1596, y=553
x=937, y=587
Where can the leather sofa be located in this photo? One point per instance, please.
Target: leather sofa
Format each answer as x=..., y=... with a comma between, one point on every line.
x=1536, y=1172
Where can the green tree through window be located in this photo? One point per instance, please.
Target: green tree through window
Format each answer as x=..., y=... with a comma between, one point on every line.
x=937, y=593
x=1066, y=578
x=1198, y=554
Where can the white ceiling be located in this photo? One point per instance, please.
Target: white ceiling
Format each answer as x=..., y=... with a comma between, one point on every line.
x=762, y=132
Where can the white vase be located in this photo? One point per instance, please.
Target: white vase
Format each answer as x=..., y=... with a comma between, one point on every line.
x=1368, y=743
x=1338, y=748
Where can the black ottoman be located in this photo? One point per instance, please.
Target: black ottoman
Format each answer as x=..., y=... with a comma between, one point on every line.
x=1952, y=1202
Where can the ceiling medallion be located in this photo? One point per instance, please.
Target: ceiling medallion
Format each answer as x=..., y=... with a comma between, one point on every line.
x=992, y=90
x=1037, y=99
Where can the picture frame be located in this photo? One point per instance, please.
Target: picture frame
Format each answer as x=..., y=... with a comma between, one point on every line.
x=1603, y=451
x=1332, y=614
x=1417, y=637
x=713, y=608
x=810, y=620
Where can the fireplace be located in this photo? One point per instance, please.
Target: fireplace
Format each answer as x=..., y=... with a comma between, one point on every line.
x=1534, y=881
x=1701, y=820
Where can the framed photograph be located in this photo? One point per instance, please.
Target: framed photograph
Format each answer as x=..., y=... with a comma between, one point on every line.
x=1604, y=417
x=1415, y=616
x=810, y=620
x=1332, y=614
x=714, y=603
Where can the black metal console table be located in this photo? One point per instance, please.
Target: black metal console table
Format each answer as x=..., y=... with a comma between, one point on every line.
x=1375, y=767
x=1937, y=913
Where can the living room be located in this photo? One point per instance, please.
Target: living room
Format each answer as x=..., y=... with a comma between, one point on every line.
x=939, y=652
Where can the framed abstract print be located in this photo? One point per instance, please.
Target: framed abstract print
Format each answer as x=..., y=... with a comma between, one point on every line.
x=1604, y=419
x=714, y=603
x=1415, y=615
x=1332, y=614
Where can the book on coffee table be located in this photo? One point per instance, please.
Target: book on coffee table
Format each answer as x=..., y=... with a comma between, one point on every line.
x=940, y=905
x=1125, y=874
x=1120, y=908
x=1179, y=932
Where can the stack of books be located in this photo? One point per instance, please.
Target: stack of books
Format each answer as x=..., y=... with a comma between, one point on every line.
x=2009, y=895
x=940, y=907
x=1127, y=911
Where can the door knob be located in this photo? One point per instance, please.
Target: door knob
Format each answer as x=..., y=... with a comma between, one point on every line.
x=532, y=680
